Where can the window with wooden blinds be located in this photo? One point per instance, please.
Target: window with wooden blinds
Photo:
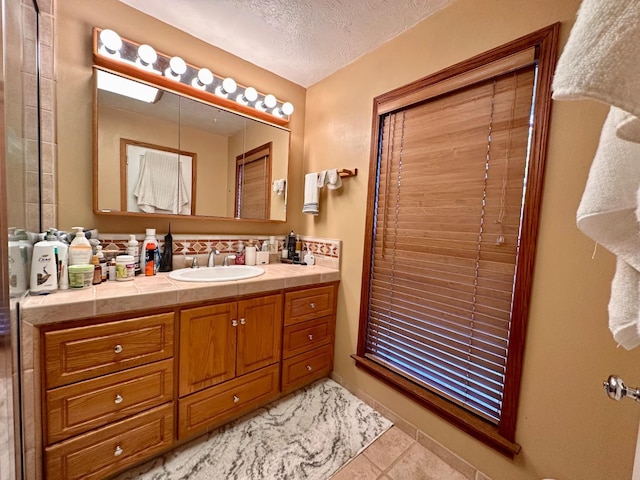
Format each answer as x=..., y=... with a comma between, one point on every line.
x=456, y=180
x=253, y=199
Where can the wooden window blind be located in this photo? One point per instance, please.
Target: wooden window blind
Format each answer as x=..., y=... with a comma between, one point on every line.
x=252, y=190
x=450, y=234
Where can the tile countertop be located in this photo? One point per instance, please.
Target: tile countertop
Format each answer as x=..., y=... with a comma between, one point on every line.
x=161, y=291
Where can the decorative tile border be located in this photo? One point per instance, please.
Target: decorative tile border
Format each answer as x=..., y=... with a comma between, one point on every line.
x=325, y=251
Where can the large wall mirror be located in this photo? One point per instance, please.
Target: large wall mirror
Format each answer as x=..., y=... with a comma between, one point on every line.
x=172, y=155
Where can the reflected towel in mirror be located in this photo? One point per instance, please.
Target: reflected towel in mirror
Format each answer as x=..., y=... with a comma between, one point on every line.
x=160, y=184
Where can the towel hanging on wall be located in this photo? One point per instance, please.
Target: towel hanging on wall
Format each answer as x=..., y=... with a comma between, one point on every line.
x=311, y=194
x=600, y=62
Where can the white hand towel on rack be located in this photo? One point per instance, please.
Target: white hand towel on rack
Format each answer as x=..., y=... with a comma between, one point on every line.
x=310, y=194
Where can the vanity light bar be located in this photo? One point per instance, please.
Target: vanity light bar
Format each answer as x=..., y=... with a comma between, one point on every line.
x=172, y=73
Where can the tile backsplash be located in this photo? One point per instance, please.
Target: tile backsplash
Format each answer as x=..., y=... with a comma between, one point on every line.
x=325, y=251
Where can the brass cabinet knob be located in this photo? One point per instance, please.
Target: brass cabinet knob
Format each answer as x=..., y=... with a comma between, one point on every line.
x=234, y=322
x=310, y=337
x=118, y=451
x=236, y=399
x=312, y=305
x=242, y=321
x=117, y=348
x=309, y=367
x=118, y=400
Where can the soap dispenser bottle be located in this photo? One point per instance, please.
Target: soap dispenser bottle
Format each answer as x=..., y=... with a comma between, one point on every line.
x=80, y=250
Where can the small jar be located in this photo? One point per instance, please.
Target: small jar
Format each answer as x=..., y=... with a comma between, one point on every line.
x=125, y=268
x=81, y=276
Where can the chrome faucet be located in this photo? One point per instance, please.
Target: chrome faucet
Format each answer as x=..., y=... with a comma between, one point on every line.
x=211, y=260
x=227, y=259
x=194, y=262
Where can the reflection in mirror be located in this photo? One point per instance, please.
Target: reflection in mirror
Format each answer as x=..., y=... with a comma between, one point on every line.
x=214, y=153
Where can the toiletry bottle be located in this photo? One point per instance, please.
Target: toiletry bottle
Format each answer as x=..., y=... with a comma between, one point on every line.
x=103, y=263
x=112, y=269
x=150, y=259
x=44, y=268
x=20, y=251
x=166, y=260
x=298, y=253
x=250, y=254
x=62, y=259
x=150, y=237
x=240, y=258
x=80, y=249
x=133, y=249
x=97, y=271
x=273, y=244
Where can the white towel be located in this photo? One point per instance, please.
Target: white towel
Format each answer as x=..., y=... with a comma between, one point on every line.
x=600, y=61
x=333, y=179
x=310, y=194
x=278, y=186
x=160, y=184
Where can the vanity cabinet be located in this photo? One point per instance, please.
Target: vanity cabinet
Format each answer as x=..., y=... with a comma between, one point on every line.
x=108, y=395
x=115, y=395
x=229, y=360
x=308, y=336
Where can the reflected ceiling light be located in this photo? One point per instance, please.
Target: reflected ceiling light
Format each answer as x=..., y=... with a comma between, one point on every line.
x=177, y=68
x=123, y=86
x=147, y=56
x=111, y=43
x=204, y=78
x=250, y=95
x=228, y=86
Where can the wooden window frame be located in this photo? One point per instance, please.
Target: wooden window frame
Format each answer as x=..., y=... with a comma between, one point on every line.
x=542, y=47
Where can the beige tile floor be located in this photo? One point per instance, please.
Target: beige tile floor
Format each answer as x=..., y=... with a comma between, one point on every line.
x=396, y=456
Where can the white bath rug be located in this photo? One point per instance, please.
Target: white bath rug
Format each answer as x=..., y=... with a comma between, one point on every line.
x=307, y=435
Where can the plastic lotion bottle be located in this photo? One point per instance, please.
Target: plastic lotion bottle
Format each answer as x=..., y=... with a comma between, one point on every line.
x=80, y=249
x=134, y=250
x=250, y=254
x=150, y=251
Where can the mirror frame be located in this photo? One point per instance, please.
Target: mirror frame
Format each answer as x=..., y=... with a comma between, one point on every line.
x=119, y=68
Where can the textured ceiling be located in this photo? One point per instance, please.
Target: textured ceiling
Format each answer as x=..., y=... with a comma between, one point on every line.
x=301, y=40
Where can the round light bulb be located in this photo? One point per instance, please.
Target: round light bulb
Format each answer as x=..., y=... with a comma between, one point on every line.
x=147, y=54
x=270, y=101
x=251, y=94
x=229, y=85
x=110, y=40
x=178, y=66
x=205, y=77
x=287, y=108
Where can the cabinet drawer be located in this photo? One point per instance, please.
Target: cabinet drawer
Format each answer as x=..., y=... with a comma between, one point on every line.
x=305, y=336
x=102, y=452
x=308, y=304
x=84, y=352
x=83, y=406
x=303, y=369
x=209, y=407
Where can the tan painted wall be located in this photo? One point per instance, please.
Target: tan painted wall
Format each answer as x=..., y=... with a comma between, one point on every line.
x=75, y=19
x=567, y=427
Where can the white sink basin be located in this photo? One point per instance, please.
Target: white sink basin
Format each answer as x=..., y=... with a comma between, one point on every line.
x=216, y=274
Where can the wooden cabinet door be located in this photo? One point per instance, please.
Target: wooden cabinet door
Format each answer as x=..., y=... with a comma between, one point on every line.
x=259, y=333
x=207, y=346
